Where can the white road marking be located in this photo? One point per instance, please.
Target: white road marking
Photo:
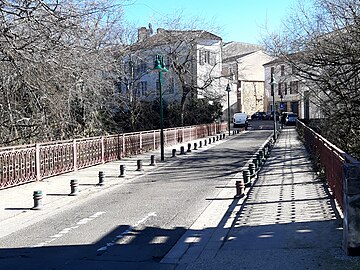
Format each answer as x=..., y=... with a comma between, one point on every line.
x=67, y=230
x=128, y=231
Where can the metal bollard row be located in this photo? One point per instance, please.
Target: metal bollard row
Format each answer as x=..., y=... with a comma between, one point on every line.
x=254, y=167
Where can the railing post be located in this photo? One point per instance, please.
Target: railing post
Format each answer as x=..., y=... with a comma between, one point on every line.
x=102, y=150
x=118, y=147
x=75, y=156
x=154, y=133
x=140, y=142
x=37, y=162
x=123, y=145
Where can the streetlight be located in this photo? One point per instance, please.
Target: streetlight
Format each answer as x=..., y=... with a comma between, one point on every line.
x=281, y=109
x=160, y=67
x=228, y=91
x=273, y=83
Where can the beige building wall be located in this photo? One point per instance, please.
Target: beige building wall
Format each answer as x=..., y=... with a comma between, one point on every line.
x=248, y=76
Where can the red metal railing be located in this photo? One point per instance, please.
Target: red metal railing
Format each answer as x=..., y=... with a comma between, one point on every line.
x=330, y=159
x=28, y=163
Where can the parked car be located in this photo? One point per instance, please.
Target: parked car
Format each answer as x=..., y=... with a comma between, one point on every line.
x=240, y=120
x=258, y=116
x=290, y=119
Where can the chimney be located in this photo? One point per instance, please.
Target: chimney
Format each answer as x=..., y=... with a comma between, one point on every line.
x=143, y=34
x=160, y=31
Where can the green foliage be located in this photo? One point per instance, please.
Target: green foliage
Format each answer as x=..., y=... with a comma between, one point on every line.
x=198, y=111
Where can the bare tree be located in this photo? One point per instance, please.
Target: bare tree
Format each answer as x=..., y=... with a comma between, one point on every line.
x=321, y=41
x=56, y=63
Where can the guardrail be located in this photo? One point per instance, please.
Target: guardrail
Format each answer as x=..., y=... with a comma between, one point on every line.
x=329, y=158
x=28, y=163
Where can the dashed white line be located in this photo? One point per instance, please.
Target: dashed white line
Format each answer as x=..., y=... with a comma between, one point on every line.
x=67, y=230
x=128, y=231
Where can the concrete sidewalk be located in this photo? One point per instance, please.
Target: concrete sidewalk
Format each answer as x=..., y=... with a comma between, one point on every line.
x=288, y=220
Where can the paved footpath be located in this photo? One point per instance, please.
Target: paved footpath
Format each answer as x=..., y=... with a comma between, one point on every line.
x=287, y=221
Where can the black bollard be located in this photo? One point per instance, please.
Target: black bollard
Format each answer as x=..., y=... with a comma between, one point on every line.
x=200, y=144
x=37, y=196
x=252, y=170
x=239, y=189
x=122, y=170
x=101, y=178
x=224, y=136
x=74, y=186
x=152, y=160
x=210, y=140
x=255, y=161
x=189, y=148
x=182, y=150
x=246, y=178
x=195, y=146
x=139, y=165
x=214, y=139
x=205, y=142
x=259, y=159
x=217, y=137
x=173, y=152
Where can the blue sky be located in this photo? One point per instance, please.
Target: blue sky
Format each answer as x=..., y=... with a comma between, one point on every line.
x=239, y=20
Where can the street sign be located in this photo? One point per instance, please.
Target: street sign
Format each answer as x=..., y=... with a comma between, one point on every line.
x=281, y=106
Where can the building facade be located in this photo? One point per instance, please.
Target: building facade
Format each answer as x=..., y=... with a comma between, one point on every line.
x=291, y=93
x=192, y=58
x=246, y=76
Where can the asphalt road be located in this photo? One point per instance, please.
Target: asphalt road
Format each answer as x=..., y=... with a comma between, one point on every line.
x=134, y=225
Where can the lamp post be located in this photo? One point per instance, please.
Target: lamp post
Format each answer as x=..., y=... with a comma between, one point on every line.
x=160, y=67
x=273, y=83
x=281, y=110
x=228, y=91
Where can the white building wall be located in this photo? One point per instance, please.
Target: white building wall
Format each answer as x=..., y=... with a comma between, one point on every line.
x=288, y=99
x=209, y=70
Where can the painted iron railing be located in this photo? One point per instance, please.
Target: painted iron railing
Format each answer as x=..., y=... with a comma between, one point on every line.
x=28, y=163
x=329, y=158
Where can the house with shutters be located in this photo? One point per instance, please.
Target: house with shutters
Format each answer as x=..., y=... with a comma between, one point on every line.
x=192, y=57
x=290, y=92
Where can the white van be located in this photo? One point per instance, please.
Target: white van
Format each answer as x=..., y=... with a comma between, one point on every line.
x=240, y=120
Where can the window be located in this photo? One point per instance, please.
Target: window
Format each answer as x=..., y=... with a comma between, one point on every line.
x=282, y=70
x=171, y=86
x=201, y=58
x=282, y=90
x=143, y=67
x=272, y=71
x=204, y=57
x=207, y=57
x=279, y=89
x=294, y=87
x=142, y=88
